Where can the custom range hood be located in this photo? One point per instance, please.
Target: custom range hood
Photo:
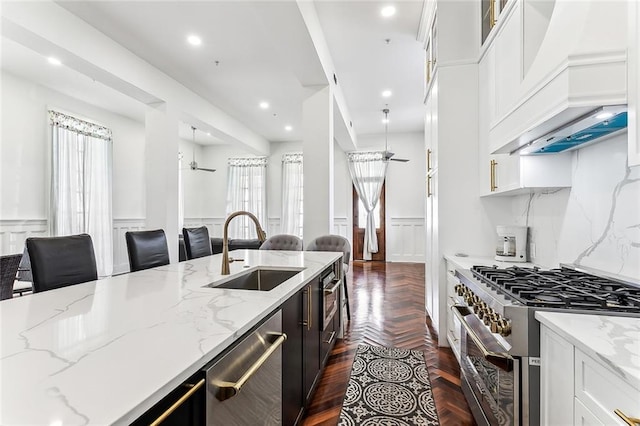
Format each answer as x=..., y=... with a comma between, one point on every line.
x=593, y=126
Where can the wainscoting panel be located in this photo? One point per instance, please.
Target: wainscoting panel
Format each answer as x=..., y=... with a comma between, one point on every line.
x=13, y=233
x=120, y=256
x=341, y=227
x=405, y=239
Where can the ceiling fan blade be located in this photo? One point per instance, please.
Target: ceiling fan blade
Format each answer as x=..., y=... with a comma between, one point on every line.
x=401, y=160
x=205, y=169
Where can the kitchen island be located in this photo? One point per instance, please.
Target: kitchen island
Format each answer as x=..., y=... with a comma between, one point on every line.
x=104, y=352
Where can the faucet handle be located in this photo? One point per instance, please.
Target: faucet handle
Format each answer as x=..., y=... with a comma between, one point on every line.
x=231, y=260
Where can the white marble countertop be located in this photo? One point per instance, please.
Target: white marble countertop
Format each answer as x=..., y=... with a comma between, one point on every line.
x=469, y=261
x=104, y=352
x=614, y=341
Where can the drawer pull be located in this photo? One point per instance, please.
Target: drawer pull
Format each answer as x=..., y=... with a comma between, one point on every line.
x=631, y=421
x=330, y=339
x=228, y=390
x=178, y=403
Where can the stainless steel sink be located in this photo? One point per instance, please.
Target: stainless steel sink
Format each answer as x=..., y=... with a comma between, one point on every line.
x=260, y=279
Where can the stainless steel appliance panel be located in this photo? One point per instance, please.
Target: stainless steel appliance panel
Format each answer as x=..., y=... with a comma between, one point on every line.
x=244, y=387
x=331, y=290
x=489, y=373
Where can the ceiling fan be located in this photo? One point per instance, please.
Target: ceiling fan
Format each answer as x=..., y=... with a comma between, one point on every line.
x=193, y=164
x=386, y=154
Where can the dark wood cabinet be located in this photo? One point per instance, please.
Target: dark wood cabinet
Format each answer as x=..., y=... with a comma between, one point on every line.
x=189, y=412
x=311, y=339
x=292, y=399
x=301, y=363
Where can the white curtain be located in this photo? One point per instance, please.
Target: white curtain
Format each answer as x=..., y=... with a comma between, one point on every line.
x=246, y=190
x=81, y=184
x=292, y=189
x=368, y=170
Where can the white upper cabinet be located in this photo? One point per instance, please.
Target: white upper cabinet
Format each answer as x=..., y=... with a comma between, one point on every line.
x=555, y=57
x=633, y=75
x=504, y=174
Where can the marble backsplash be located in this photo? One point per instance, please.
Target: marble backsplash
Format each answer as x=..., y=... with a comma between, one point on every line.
x=596, y=222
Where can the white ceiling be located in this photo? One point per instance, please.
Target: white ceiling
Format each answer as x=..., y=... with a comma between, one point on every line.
x=256, y=62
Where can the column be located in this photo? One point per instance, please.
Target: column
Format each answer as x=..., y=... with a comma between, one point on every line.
x=161, y=173
x=317, y=147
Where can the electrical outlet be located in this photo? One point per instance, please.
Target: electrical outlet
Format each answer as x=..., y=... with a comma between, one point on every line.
x=532, y=251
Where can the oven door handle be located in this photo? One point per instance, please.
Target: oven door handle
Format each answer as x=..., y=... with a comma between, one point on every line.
x=499, y=359
x=333, y=289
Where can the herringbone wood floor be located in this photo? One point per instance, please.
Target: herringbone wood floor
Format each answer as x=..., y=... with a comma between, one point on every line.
x=387, y=309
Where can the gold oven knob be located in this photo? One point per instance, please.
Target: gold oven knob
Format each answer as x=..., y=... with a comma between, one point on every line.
x=506, y=327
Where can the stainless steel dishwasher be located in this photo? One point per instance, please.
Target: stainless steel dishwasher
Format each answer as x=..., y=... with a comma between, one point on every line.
x=244, y=387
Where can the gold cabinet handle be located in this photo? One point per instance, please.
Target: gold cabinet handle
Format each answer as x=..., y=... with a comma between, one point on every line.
x=492, y=13
x=492, y=183
x=429, y=193
x=228, y=389
x=631, y=421
x=178, y=403
x=309, y=309
x=428, y=160
x=428, y=71
x=330, y=339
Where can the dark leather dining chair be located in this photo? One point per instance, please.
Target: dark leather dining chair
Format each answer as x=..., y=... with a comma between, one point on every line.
x=282, y=242
x=147, y=249
x=8, y=270
x=335, y=243
x=197, y=242
x=61, y=261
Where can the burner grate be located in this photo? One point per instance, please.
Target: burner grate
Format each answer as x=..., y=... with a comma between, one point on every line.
x=560, y=288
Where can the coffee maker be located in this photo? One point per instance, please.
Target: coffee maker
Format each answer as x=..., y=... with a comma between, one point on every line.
x=512, y=243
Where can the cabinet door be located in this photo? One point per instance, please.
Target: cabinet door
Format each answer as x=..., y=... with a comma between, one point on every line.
x=191, y=412
x=311, y=337
x=584, y=417
x=556, y=379
x=292, y=397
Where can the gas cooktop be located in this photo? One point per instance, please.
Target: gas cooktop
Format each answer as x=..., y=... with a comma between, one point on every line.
x=561, y=288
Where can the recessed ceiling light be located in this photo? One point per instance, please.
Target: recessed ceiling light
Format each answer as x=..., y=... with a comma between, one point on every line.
x=288, y=128
x=388, y=11
x=208, y=133
x=604, y=115
x=194, y=40
x=264, y=105
x=54, y=61
x=385, y=120
x=386, y=93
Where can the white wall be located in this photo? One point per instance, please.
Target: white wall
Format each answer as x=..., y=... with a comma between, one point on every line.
x=596, y=222
x=24, y=156
x=25, y=149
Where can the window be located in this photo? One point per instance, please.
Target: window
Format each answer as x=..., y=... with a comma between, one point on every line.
x=81, y=184
x=292, y=195
x=246, y=190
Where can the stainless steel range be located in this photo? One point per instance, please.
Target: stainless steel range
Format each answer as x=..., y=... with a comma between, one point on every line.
x=500, y=338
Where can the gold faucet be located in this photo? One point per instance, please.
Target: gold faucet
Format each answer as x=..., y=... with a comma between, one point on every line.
x=225, y=240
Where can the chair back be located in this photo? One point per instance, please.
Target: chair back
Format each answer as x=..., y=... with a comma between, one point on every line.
x=61, y=261
x=147, y=249
x=332, y=243
x=197, y=242
x=282, y=242
x=8, y=269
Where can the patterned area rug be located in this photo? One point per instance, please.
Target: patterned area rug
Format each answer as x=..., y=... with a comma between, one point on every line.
x=390, y=387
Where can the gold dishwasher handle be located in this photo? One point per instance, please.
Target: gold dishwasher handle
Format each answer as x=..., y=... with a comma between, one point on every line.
x=229, y=390
x=631, y=421
x=178, y=403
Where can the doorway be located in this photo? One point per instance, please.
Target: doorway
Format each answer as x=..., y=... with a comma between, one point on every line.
x=359, y=220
